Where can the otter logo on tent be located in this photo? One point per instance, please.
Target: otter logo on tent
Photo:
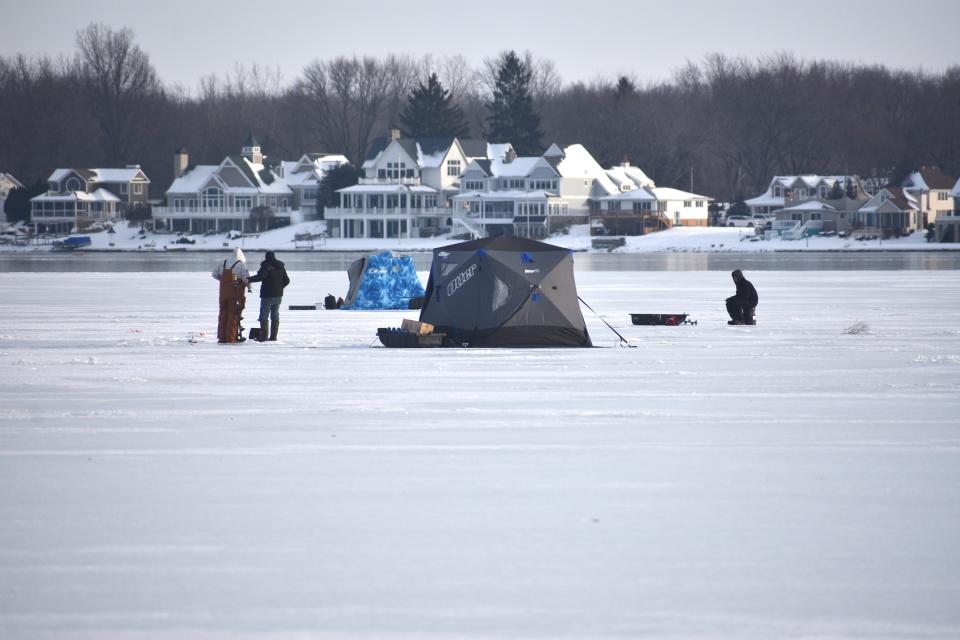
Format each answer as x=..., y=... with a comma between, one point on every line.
x=462, y=278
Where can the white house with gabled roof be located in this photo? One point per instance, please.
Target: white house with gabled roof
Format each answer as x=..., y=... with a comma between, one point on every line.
x=406, y=189
x=639, y=206
x=246, y=192
x=529, y=196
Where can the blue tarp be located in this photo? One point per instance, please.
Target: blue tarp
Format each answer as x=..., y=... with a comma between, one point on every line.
x=382, y=281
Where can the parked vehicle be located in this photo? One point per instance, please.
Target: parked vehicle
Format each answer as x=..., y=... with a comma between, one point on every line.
x=737, y=220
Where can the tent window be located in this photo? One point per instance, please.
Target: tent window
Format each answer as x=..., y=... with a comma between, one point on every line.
x=447, y=267
x=500, y=293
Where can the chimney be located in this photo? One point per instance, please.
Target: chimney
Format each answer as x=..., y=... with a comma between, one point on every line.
x=394, y=133
x=509, y=156
x=180, y=162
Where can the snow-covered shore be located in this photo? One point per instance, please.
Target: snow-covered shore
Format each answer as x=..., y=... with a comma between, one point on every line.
x=789, y=480
x=678, y=239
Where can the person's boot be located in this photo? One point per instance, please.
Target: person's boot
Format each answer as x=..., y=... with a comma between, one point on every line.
x=263, y=331
x=274, y=328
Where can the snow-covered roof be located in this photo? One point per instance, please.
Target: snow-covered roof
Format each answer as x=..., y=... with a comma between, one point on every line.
x=117, y=175
x=811, y=205
x=127, y=174
x=669, y=193
x=10, y=180
x=387, y=188
x=100, y=195
x=497, y=150
x=194, y=180
x=59, y=174
x=630, y=176
x=578, y=163
x=765, y=200
x=642, y=194
x=518, y=168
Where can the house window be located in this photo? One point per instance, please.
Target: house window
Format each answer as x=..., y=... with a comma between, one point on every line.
x=777, y=192
x=397, y=170
x=123, y=188
x=687, y=204
x=211, y=198
x=473, y=185
x=453, y=167
x=73, y=185
x=138, y=188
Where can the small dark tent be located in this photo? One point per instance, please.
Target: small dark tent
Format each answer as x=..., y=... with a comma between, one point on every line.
x=382, y=281
x=504, y=291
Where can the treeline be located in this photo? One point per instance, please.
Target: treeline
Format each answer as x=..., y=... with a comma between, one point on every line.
x=723, y=125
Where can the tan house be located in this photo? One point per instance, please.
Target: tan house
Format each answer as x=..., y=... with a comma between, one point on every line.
x=930, y=188
x=76, y=198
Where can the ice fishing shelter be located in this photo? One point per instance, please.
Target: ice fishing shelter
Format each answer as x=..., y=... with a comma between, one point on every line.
x=504, y=291
x=382, y=281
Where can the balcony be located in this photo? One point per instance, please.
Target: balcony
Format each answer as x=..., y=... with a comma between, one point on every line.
x=413, y=181
x=337, y=213
x=212, y=213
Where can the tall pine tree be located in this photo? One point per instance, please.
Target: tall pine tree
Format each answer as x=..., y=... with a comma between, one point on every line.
x=512, y=116
x=430, y=112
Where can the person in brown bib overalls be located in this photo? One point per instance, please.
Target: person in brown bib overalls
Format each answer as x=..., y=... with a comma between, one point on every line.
x=233, y=277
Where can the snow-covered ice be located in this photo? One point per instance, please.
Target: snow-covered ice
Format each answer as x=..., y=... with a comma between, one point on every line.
x=800, y=478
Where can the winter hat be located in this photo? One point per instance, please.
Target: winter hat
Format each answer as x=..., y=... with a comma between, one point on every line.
x=270, y=257
x=238, y=254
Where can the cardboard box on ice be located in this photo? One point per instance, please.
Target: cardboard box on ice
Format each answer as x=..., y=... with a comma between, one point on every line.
x=416, y=327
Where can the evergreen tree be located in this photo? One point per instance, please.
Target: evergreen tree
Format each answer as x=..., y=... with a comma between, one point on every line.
x=430, y=112
x=624, y=88
x=346, y=175
x=512, y=116
x=17, y=204
x=836, y=191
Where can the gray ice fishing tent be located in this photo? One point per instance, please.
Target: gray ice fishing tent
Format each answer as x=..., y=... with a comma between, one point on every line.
x=504, y=291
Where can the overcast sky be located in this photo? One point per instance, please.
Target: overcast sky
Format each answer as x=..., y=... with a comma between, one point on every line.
x=600, y=38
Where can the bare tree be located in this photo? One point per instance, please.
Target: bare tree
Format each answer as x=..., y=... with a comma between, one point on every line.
x=118, y=80
x=349, y=100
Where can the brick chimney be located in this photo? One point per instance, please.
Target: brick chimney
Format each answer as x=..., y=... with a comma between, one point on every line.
x=180, y=162
x=394, y=133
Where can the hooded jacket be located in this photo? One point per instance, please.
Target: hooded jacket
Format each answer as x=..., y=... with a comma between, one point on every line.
x=272, y=277
x=238, y=263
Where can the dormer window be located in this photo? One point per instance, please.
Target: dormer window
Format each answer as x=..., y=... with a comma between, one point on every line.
x=73, y=184
x=777, y=192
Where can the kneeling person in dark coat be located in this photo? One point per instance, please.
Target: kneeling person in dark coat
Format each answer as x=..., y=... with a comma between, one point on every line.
x=272, y=277
x=742, y=305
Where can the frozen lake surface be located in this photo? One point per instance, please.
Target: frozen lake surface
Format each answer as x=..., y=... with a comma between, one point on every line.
x=788, y=480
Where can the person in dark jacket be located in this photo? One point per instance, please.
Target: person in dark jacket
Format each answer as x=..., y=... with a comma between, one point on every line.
x=741, y=306
x=272, y=277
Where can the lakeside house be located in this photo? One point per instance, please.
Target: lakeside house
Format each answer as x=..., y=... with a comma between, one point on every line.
x=929, y=189
x=407, y=188
x=841, y=204
x=638, y=206
x=529, y=196
x=77, y=198
x=947, y=226
x=245, y=192
x=788, y=191
x=7, y=184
